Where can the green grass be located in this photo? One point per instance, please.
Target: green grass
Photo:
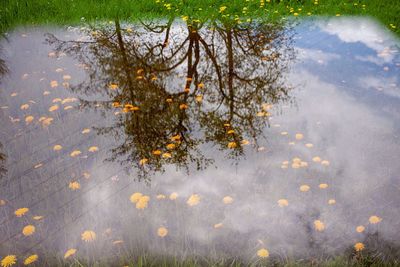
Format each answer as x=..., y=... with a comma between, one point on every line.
x=33, y=12
x=171, y=261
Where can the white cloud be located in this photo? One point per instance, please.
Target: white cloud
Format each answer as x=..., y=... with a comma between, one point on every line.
x=365, y=31
x=316, y=55
x=387, y=85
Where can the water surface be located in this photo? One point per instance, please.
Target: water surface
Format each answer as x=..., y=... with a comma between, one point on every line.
x=260, y=136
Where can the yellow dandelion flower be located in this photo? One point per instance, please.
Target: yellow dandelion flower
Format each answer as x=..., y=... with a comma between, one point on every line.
x=69, y=100
x=359, y=246
x=323, y=186
x=113, y=86
x=183, y=106
x=145, y=198
x=193, y=200
x=57, y=147
x=88, y=236
x=266, y=106
x=24, y=106
x=222, y=9
x=227, y=200
x=199, y=98
x=75, y=153
x=316, y=159
x=296, y=160
x=161, y=196
x=37, y=218
x=85, y=131
x=141, y=204
x=173, y=196
x=31, y=259
x=171, y=146
x=74, y=185
x=299, y=136
x=331, y=202
x=319, y=225
x=53, y=84
x=283, y=202
x=70, y=252
x=169, y=100
x=325, y=163
x=8, y=261
x=143, y=161
x=232, y=145
x=135, y=197
x=218, y=225
x=162, y=232
x=296, y=165
x=303, y=164
x=21, y=212
x=304, y=188
x=231, y=132
x=29, y=119
x=263, y=253
x=157, y=152
x=28, y=230
x=56, y=100
x=374, y=219
x=166, y=155
x=360, y=229
x=176, y=138
x=47, y=121
x=134, y=108
x=244, y=142
x=53, y=108
x=93, y=149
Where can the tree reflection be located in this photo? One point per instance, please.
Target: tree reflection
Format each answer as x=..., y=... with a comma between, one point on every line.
x=3, y=72
x=175, y=89
x=2, y=161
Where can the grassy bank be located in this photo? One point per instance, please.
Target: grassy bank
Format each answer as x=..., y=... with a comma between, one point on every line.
x=28, y=12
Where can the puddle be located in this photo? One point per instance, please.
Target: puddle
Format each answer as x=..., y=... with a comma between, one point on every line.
x=267, y=136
